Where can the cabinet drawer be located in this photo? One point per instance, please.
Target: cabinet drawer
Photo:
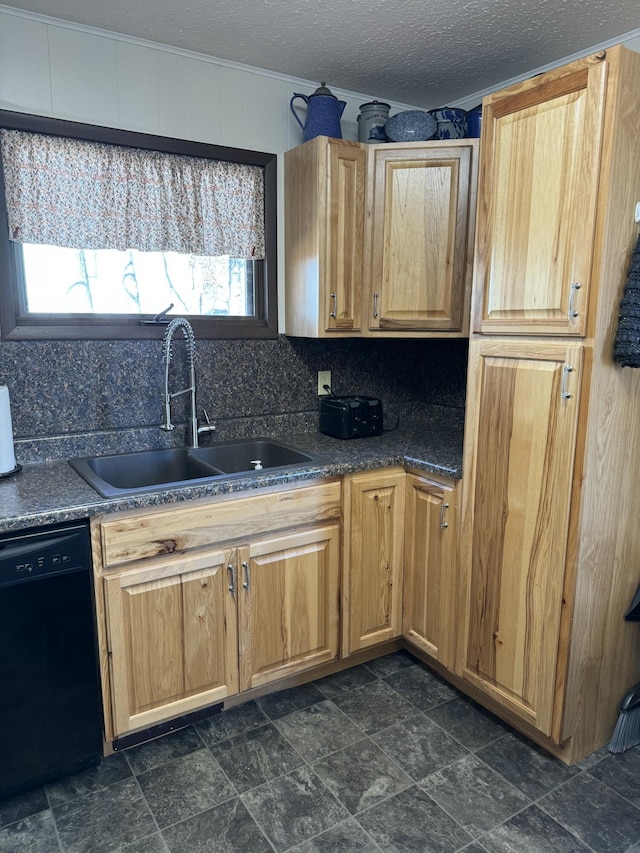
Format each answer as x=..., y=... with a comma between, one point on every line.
x=151, y=534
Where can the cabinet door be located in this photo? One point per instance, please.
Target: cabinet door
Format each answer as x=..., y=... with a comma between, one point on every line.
x=373, y=554
x=344, y=238
x=324, y=226
x=520, y=442
x=429, y=588
x=288, y=605
x=538, y=202
x=421, y=198
x=172, y=638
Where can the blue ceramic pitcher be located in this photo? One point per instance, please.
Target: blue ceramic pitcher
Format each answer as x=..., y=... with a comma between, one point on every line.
x=323, y=114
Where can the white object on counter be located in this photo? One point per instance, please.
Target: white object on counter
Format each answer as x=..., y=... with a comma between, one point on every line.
x=7, y=456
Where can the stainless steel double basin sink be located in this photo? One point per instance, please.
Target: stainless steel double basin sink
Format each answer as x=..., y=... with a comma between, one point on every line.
x=155, y=470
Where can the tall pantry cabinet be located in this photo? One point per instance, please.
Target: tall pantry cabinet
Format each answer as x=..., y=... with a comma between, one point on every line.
x=551, y=500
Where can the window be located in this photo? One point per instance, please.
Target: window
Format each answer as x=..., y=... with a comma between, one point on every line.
x=107, y=233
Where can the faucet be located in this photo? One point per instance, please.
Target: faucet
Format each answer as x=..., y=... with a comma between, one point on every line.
x=193, y=430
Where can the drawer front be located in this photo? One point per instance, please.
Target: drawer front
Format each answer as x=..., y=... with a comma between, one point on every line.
x=156, y=533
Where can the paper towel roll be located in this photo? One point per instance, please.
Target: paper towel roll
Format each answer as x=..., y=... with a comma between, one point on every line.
x=7, y=457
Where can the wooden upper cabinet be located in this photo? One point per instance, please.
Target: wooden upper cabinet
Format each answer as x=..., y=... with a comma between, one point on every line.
x=288, y=604
x=173, y=644
x=519, y=456
x=537, y=206
x=324, y=221
x=403, y=242
x=419, y=241
x=372, y=558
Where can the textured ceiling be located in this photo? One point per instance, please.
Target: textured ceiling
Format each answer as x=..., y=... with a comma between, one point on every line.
x=421, y=52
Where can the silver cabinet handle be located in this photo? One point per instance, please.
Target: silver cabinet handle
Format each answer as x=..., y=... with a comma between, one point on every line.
x=443, y=508
x=247, y=576
x=334, y=312
x=574, y=287
x=375, y=306
x=232, y=577
x=565, y=393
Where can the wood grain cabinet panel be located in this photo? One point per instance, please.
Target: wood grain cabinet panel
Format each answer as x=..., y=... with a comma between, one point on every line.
x=421, y=200
x=172, y=639
x=189, y=616
x=324, y=226
x=538, y=203
x=288, y=605
x=379, y=238
x=372, y=558
x=430, y=620
x=525, y=401
x=128, y=537
x=550, y=534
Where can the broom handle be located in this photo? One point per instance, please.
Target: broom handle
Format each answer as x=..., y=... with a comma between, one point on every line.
x=632, y=699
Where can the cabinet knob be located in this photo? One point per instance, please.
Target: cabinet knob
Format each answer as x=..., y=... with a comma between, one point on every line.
x=443, y=508
x=334, y=309
x=375, y=306
x=232, y=577
x=247, y=576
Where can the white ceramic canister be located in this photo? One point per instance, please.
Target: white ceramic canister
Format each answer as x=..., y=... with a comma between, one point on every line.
x=371, y=121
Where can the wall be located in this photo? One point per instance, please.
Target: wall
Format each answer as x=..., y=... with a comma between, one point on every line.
x=630, y=40
x=73, y=397
x=55, y=69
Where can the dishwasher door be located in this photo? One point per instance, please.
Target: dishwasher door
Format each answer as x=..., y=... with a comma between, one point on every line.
x=50, y=708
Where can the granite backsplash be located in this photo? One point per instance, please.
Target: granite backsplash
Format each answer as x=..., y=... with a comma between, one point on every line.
x=72, y=398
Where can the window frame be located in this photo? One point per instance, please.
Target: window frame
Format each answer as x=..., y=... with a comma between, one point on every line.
x=16, y=324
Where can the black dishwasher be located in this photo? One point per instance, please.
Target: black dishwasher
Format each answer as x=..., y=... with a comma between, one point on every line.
x=50, y=708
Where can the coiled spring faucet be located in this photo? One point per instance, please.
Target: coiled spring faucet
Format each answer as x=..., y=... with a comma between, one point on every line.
x=192, y=424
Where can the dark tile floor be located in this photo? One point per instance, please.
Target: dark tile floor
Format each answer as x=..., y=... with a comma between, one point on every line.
x=382, y=757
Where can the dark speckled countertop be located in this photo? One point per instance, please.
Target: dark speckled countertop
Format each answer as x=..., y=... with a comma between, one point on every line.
x=52, y=492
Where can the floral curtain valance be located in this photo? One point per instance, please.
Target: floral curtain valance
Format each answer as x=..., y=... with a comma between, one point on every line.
x=90, y=195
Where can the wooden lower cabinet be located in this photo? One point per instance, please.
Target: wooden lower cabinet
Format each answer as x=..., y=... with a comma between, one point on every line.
x=288, y=602
x=190, y=612
x=193, y=631
x=430, y=567
x=172, y=639
x=519, y=454
x=373, y=510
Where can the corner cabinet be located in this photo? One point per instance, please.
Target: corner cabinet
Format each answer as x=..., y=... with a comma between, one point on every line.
x=373, y=550
x=550, y=554
x=379, y=238
x=430, y=584
x=200, y=602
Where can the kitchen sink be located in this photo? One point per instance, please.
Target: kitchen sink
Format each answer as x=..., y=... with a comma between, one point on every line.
x=152, y=470
x=242, y=456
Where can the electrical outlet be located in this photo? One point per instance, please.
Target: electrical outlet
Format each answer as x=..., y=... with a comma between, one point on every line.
x=324, y=378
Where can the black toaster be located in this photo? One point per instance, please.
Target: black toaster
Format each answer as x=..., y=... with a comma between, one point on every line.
x=350, y=417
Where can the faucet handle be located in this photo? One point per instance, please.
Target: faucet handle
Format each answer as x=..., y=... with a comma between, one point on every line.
x=166, y=413
x=207, y=428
